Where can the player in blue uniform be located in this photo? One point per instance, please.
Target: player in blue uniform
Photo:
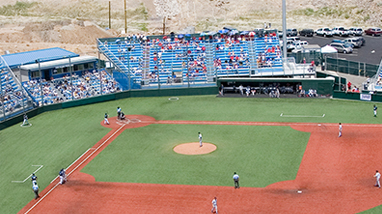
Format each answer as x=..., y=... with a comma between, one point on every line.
x=33, y=177
x=62, y=176
x=375, y=111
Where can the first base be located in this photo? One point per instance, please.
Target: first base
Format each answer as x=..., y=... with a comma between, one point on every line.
x=319, y=124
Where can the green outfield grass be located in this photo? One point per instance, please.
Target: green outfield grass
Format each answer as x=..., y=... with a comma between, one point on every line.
x=59, y=137
x=261, y=155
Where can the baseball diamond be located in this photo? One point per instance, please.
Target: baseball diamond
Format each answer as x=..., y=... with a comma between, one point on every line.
x=132, y=166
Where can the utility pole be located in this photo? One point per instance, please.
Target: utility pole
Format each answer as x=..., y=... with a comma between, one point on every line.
x=124, y=6
x=109, y=14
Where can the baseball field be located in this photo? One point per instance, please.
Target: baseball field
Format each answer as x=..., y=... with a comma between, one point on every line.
x=286, y=151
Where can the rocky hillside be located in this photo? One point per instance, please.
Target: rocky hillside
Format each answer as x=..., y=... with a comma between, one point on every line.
x=75, y=24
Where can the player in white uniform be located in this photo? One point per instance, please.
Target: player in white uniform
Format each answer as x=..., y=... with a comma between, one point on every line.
x=200, y=140
x=106, y=121
x=25, y=122
x=340, y=130
x=62, y=176
x=236, y=180
x=119, y=112
x=35, y=189
x=377, y=177
x=214, y=206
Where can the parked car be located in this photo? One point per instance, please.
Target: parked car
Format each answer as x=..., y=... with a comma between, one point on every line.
x=340, y=31
x=280, y=34
x=297, y=45
x=324, y=32
x=306, y=32
x=354, y=41
x=342, y=48
x=291, y=32
x=356, y=31
x=293, y=38
x=373, y=31
x=289, y=45
x=362, y=40
x=342, y=42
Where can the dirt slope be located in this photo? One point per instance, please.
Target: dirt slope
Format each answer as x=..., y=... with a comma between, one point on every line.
x=75, y=24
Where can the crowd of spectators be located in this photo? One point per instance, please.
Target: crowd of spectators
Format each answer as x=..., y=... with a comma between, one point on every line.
x=11, y=96
x=89, y=84
x=229, y=53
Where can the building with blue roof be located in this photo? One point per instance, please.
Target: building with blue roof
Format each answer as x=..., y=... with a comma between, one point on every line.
x=30, y=57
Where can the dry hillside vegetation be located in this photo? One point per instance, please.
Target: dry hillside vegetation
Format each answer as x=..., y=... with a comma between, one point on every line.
x=75, y=24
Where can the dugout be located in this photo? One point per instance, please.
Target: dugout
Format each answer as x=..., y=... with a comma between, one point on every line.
x=293, y=86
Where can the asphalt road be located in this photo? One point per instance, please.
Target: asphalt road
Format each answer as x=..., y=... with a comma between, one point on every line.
x=363, y=54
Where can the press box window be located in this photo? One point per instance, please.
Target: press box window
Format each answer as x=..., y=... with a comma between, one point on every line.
x=35, y=74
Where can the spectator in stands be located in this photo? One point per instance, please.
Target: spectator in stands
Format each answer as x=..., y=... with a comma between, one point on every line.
x=349, y=85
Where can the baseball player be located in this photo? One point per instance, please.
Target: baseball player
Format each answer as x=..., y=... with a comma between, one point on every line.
x=119, y=112
x=33, y=177
x=340, y=130
x=236, y=180
x=214, y=206
x=25, y=122
x=35, y=189
x=200, y=140
x=375, y=111
x=62, y=176
x=377, y=177
x=106, y=121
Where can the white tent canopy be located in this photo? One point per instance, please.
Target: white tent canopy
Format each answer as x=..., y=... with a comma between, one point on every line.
x=328, y=49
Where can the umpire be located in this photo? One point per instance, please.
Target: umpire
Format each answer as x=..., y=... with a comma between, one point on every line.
x=236, y=180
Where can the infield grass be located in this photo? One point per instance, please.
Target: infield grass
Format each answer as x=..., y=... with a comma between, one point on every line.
x=261, y=155
x=59, y=137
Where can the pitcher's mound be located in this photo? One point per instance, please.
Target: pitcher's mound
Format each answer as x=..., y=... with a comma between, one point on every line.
x=194, y=148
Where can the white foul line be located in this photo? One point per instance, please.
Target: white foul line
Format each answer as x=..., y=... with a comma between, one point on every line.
x=73, y=163
x=40, y=166
x=95, y=150
x=74, y=169
x=283, y=115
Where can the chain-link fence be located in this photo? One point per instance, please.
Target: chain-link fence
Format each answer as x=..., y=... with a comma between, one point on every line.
x=350, y=67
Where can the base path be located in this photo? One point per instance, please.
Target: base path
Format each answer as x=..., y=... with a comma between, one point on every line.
x=335, y=176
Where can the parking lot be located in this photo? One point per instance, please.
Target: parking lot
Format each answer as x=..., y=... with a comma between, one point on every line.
x=363, y=54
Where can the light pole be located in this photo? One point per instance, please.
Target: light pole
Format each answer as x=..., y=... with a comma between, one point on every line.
x=128, y=67
x=2, y=94
x=71, y=77
x=188, y=71
x=42, y=93
x=22, y=88
x=100, y=73
x=284, y=34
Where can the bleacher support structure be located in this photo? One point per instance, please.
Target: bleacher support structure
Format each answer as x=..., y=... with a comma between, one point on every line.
x=14, y=98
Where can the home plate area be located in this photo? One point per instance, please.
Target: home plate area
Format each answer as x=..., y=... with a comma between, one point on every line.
x=130, y=121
